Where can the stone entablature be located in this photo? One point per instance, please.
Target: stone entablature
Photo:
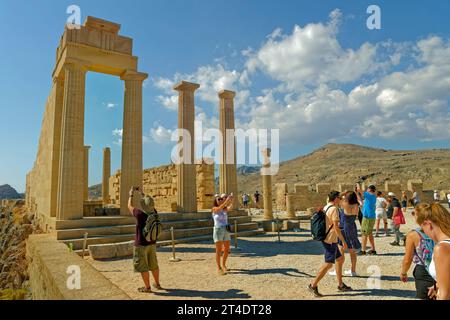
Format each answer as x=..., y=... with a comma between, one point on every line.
x=161, y=184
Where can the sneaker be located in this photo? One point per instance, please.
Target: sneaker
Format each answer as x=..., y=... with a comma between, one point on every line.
x=376, y=235
x=315, y=291
x=395, y=243
x=344, y=287
x=372, y=253
x=350, y=273
x=332, y=273
x=362, y=253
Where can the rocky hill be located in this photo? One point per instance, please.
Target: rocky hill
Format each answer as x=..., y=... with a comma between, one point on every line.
x=8, y=192
x=348, y=163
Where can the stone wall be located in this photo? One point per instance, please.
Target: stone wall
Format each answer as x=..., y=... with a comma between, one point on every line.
x=49, y=262
x=161, y=184
x=304, y=198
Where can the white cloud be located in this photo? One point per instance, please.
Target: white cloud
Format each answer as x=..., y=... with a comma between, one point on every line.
x=110, y=105
x=326, y=92
x=117, y=134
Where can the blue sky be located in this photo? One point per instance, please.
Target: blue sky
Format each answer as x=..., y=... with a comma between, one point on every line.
x=311, y=69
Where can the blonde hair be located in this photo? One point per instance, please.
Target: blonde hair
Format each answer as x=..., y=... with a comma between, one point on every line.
x=435, y=213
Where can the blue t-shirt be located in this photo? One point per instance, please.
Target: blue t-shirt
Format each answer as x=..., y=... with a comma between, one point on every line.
x=368, y=209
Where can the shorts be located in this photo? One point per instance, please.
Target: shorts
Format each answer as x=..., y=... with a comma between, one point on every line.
x=221, y=234
x=381, y=214
x=423, y=281
x=332, y=252
x=144, y=258
x=245, y=203
x=367, y=226
x=404, y=203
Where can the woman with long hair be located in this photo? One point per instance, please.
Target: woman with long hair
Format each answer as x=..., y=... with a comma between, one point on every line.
x=434, y=220
x=221, y=235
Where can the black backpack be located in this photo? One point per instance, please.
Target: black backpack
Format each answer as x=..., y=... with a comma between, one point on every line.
x=153, y=227
x=319, y=230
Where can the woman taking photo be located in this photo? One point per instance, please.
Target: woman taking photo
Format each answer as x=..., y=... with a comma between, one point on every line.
x=434, y=220
x=221, y=235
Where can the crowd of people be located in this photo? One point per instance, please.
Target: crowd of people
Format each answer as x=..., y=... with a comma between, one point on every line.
x=427, y=246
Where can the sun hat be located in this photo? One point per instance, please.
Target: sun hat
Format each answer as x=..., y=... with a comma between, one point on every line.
x=391, y=194
x=147, y=204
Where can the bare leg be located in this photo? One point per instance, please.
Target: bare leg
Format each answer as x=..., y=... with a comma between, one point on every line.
x=226, y=250
x=385, y=226
x=353, y=258
x=219, y=245
x=364, y=243
x=339, y=264
x=377, y=226
x=155, y=274
x=322, y=272
x=146, y=279
x=372, y=242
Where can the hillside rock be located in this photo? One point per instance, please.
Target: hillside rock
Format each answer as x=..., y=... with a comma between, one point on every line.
x=8, y=192
x=348, y=163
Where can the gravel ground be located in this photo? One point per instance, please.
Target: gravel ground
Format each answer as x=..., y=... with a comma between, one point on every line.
x=266, y=269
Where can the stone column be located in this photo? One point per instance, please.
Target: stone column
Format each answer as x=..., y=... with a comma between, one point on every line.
x=70, y=184
x=267, y=186
x=131, y=167
x=186, y=169
x=290, y=210
x=227, y=148
x=106, y=175
x=86, y=173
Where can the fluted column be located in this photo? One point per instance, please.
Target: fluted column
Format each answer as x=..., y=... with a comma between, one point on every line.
x=70, y=184
x=227, y=148
x=186, y=170
x=86, y=173
x=106, y=175
x=131, y=170
x=267, y=186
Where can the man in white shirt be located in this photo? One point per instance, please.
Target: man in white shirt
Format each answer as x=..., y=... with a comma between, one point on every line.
x=437, y=197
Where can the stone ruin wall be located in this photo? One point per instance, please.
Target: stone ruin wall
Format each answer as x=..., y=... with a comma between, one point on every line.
x=303, y=198
x=161, y=184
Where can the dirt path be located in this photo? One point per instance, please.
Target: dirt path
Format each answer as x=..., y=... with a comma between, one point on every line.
x=266, y=269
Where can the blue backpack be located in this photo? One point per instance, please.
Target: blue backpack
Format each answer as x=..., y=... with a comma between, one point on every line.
x=427, y=245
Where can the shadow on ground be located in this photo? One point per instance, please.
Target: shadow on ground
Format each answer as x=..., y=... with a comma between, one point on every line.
x=291, y=272
x=229, y=294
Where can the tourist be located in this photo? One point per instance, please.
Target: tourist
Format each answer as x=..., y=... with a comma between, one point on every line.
x=245, y=200
x=448, y=199
x=415, y=198
x=144, y=256
x=359, y=195
x=436, y=196
x=419, y=250
x=368, y=221
x=404, y=201
x=434, y=220
x=397, y=218
x=348, y=212
x=221, y=235
x=256, y=196
x=380, y=210
x=332, y=253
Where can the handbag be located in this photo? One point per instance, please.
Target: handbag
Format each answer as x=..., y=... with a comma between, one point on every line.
x=399, y=218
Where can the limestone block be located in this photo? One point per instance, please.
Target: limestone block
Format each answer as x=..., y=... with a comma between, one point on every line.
x=346, y=187
x=323, y=188
x=290, y=224
x=301, y=188
x=111, y=250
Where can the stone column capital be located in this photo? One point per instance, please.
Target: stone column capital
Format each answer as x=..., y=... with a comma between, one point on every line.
x=133, y=75
x=186, y=86
x=227, y=94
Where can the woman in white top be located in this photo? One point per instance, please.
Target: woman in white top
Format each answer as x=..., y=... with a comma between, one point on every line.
x=434, y=220
x=380, y=211
x=221, y=235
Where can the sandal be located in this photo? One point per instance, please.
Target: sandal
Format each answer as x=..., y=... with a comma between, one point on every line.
x=145, y=290
x=158, y=287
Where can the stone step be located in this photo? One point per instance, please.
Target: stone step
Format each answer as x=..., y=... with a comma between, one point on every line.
x=130, y=228
x=105, y=221
x=208, y=237
x=178, y=233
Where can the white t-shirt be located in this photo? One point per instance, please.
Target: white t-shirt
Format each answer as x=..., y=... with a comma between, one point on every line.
x=448, y=197
x=379, y=204
x=436, y=196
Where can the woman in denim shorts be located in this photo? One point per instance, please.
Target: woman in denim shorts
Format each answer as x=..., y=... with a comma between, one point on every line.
x=221, y=235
